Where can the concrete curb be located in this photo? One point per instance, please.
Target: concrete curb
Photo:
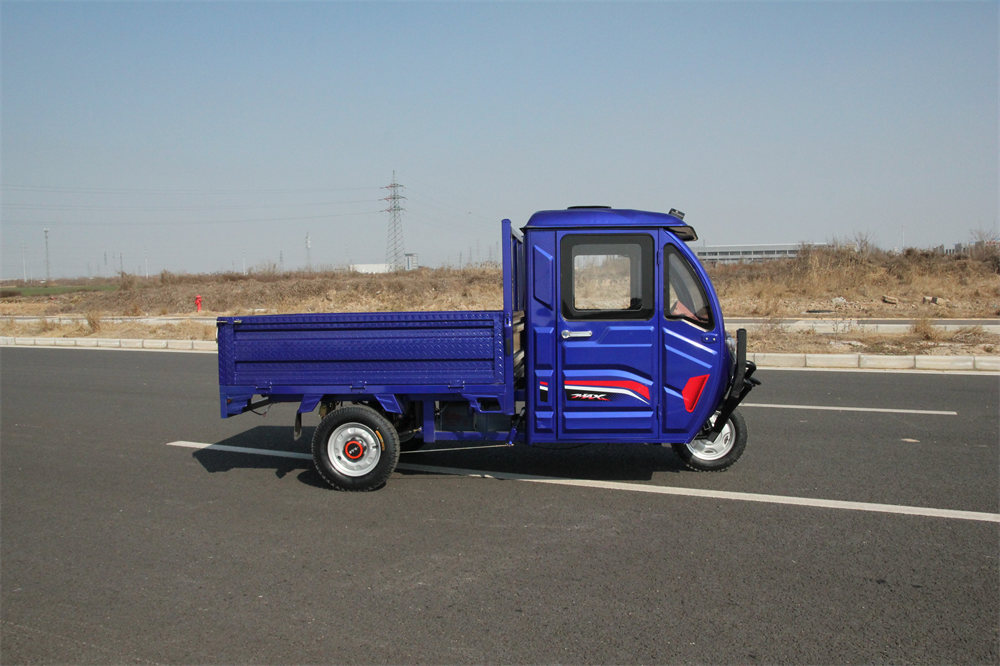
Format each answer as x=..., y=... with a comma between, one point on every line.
x=877, y=362
x=763, y=360
x=112, y=343
x=859, y=326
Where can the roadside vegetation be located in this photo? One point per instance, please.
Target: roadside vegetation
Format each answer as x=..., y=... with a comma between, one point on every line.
x=857, y=280
x=43, y=290
x=841, y=282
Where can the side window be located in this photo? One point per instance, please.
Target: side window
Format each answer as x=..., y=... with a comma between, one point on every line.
x=607, y=276
x=684, y=296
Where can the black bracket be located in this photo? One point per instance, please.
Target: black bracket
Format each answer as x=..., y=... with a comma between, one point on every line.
x=743, y=382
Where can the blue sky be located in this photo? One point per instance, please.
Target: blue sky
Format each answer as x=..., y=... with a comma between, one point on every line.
x=200, y=137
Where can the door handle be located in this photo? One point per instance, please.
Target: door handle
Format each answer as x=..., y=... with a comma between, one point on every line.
x=566, y=335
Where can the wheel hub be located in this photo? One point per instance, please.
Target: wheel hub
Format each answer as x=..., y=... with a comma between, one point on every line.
x=707, y=449
x=354, y=449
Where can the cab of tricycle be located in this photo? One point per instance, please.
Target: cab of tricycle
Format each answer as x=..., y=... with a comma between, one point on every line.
x=626, y=339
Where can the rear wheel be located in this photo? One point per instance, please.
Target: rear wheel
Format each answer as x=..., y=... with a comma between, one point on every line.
x=703, y=454
x=355, y=448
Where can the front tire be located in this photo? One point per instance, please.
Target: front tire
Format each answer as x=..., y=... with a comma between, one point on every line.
x=704, y=455
x=355, y=448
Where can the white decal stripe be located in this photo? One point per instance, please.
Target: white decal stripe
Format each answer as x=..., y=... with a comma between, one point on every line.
x=605, y=389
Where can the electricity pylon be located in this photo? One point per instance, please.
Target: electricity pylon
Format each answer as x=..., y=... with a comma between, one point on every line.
x=395, y=254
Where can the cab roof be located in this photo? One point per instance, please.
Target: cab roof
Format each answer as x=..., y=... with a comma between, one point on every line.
x=601, y=217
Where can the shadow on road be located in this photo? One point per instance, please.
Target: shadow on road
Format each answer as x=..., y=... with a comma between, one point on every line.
x=601, y=462
x=598, y=462
x=265, y=439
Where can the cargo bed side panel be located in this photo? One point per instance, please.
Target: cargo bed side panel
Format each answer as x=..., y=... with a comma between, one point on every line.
x=431, y=351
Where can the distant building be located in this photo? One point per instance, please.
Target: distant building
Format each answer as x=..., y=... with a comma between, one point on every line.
x=968, y=248
x=734, y=254
x=410, y=265
x=370, y=268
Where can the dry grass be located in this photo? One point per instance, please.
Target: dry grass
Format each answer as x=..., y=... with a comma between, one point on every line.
x=841, y=281
x=234, y=293
x=855, y=283
x=922, y=339
x=858, y=280
x=44, y=329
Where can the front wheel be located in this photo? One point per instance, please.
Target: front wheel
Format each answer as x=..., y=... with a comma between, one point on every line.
x=355, y=448
x=702, y=454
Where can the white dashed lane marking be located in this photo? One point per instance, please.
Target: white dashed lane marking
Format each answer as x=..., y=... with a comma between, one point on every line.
x=830, y=408
x=841, y=505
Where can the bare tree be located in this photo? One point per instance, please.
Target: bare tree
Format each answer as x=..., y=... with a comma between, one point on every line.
x=986, y=245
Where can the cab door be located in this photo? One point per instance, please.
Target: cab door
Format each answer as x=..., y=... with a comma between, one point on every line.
x=607, y=337
x=695, y=364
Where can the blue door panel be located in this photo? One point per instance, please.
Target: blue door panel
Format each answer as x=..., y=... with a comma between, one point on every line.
x=605, y=384
x=608, y=389
x=694, y=363
x=614, y=347
x=685, y=360
x=607, y=361
x=593, y=425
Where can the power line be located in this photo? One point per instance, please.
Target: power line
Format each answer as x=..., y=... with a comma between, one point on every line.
x=180, y=190
x=87, y=207
x=65, y=223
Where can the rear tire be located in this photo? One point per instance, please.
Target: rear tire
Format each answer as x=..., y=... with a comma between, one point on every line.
x=355, y=448
x=703, y=455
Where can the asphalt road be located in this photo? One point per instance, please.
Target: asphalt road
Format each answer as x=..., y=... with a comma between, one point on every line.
x=116, y=548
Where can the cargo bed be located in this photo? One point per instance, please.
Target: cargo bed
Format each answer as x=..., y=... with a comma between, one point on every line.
x=471, y=355
x=398, y=360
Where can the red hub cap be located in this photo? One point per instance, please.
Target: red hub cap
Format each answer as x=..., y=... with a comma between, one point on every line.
x=354, y=450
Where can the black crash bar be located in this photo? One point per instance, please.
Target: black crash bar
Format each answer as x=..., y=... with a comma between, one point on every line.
x=743, y=382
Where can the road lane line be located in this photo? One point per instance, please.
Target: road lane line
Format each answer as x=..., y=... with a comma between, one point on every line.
x=830, y=408
x=842, y=505
x=242, y=449
x=716, y=494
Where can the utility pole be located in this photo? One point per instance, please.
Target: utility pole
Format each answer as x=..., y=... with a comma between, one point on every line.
x=24, y=264
x=395, y=254
x=309, y=263
x=47, y=277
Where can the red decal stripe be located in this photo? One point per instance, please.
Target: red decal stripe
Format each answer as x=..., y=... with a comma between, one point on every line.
x=629, y=385
x=692, y=391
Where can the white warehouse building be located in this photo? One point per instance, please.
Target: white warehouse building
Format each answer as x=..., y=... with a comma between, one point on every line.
x=734, y=254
